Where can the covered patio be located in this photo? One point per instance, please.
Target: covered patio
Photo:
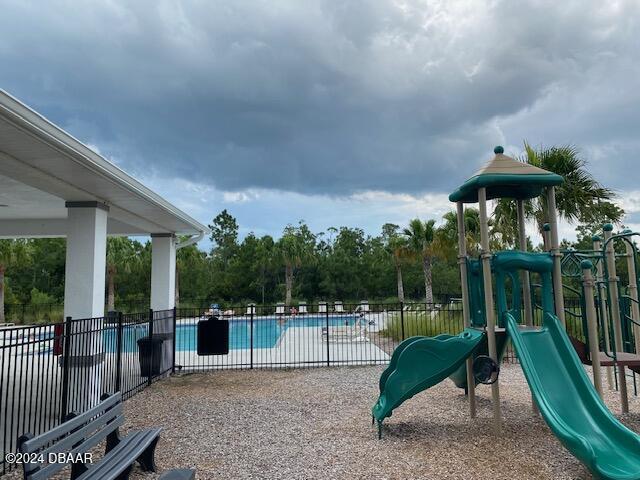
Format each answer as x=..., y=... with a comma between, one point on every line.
x=53, y=185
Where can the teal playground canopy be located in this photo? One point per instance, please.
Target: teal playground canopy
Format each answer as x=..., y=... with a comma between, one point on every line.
x=505, y=177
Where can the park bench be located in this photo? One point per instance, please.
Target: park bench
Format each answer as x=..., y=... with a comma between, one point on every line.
x=72, y=442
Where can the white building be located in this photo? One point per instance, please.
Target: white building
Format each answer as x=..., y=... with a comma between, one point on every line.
x=52, y=185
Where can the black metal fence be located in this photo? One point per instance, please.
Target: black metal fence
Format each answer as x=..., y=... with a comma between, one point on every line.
x=313, y=335
x=50, y=370
x=350, y=334
x=47, y=371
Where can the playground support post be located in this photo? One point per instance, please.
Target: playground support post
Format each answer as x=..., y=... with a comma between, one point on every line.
x=524, y=277
x=526, y=283
x=604, y=312
x=557, y=256
x=545, y=236
x=466, y=314
x=614, y=305
x=488, y=299
x=633, y=293
x=592, y=323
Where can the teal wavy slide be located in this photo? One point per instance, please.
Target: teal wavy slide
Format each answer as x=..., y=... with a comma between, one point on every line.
x=570, y=404
x=419, y=363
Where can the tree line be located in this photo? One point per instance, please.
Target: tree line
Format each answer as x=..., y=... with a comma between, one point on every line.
x=417, y=261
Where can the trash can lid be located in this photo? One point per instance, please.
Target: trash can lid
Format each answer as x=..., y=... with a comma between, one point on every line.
x=148, y=339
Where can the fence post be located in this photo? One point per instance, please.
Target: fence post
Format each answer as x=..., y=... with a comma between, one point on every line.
x=402, y=319
x=119, y=354
x=151, y=348
x=175, y=339
x=326, y=316
x=66, y=359
x=252, y=307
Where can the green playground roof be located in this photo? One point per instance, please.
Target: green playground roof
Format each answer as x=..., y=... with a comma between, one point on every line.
x=505, y=177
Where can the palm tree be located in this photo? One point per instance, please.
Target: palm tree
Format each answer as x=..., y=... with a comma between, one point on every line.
x=264, y=260
x=580, y=199
x=295, y=247
x=423, y=243
x=12, y=252
x=398, y=249
x=471, y=226
x=121, y=256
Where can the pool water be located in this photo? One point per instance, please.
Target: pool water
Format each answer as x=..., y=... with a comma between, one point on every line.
x=266, y=332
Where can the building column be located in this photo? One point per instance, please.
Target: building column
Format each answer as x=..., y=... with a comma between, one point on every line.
x=163, y=292
x=84, y=286
x=86, y=260
x=163, y=271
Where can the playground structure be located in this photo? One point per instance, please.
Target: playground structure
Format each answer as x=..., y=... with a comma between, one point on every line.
x=551, y=360
x=618, y=341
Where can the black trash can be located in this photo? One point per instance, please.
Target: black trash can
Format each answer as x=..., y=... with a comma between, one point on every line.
x=150, y=355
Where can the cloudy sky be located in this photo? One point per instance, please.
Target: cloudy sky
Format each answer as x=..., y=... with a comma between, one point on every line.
x=338, y=112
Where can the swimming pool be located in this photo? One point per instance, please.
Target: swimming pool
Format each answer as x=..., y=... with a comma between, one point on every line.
x=266, y=332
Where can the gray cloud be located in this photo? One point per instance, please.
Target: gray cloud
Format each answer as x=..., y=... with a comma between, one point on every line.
x=328, y=97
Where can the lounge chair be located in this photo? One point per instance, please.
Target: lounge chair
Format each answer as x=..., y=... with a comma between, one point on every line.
x=347, y=333
x=214, y=310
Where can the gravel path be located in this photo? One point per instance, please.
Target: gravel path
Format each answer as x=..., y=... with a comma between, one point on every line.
x=308, y=424
x=316, y=424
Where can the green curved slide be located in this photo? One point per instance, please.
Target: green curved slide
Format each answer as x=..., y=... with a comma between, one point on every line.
x=419, y=363
x=570, y=404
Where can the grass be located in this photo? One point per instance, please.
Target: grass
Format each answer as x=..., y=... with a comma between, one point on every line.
x=450, y=321
x=423, y=323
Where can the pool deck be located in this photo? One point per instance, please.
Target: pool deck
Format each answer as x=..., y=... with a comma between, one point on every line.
x=298, y=346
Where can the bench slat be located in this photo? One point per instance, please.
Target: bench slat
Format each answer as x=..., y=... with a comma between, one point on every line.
x=48, y=469
x=42, y=440
x=129, y=442
x=101, y=426
x=118, y=459
x=91, y=428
